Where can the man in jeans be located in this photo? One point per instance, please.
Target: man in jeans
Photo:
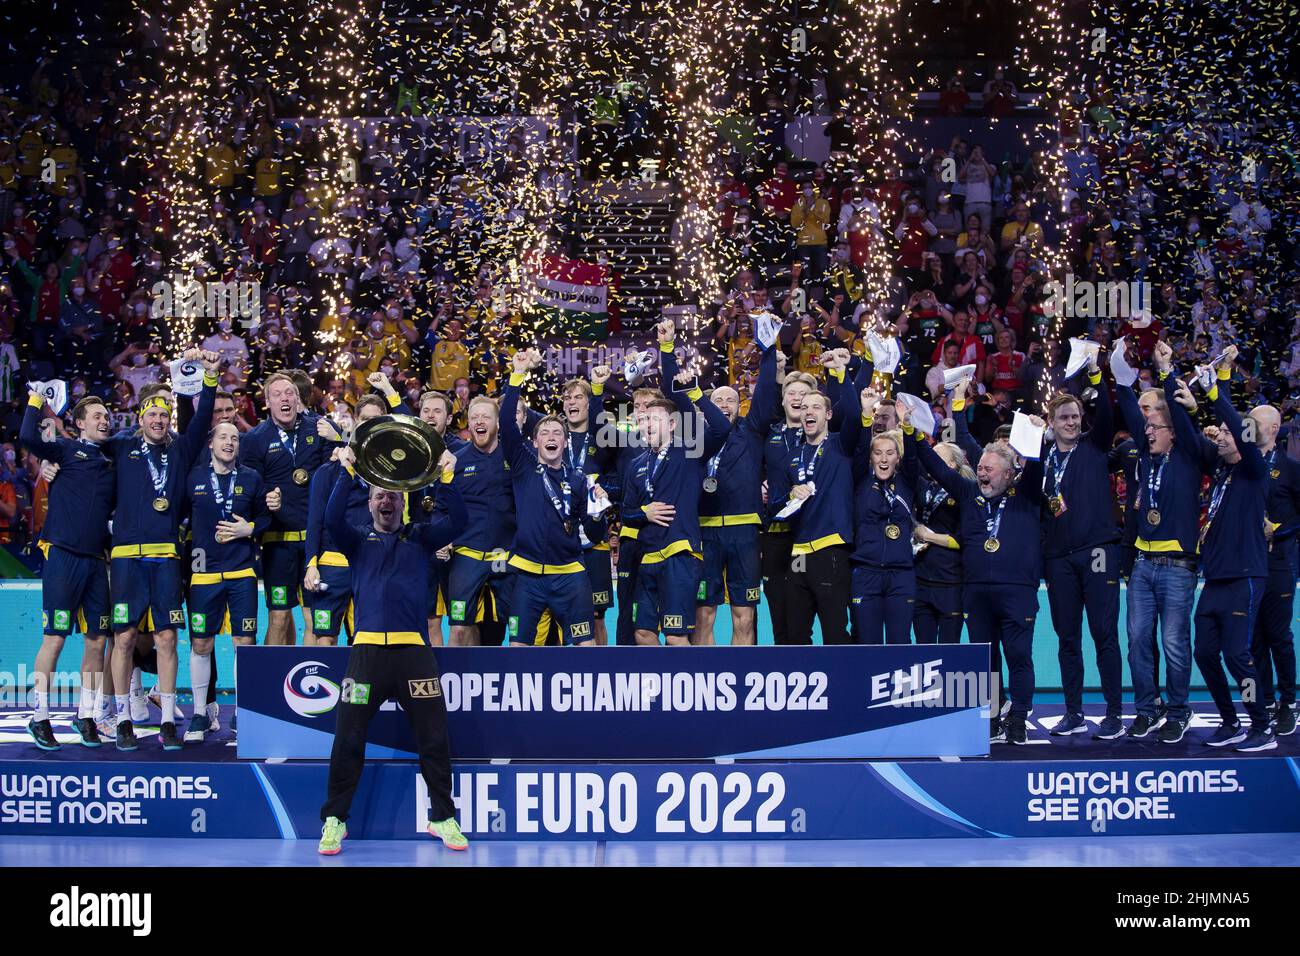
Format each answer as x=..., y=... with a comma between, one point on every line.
x=1163, y=584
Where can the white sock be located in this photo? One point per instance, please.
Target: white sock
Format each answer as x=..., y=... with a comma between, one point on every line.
x=98, y=712
x=137, y=685
x=87, y=706
x=200, y=678
x=123, y=702
x=42, y=704
x=168, y=707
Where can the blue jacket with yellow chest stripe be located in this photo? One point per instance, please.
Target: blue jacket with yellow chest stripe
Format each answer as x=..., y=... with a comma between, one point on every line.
x=675, y=473
x=542, y=543
x=390, y=570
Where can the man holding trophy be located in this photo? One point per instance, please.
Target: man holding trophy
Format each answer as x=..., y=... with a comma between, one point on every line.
x=391, y=658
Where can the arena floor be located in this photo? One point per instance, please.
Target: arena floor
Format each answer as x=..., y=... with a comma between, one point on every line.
x=1207, y=850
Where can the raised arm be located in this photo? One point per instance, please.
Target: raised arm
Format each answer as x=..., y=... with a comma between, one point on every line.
x=452, y=515
x=196, y=433
x=29, y=433
x=668, y=369
x=952, y=482
x=1131, y=413
x=765, y=403
x=1102, y=433
x=1252, y=461
x=512, y=440
x=965, y=440
x=348, y=538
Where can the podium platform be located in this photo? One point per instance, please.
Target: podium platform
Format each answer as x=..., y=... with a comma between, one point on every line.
x=1052, y=787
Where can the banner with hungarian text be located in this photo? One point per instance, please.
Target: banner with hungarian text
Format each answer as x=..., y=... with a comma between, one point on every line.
x=572, y=298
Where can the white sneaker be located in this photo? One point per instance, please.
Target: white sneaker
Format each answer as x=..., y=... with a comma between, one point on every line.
x=139, y=708
x=107, y=726
x=214, y=717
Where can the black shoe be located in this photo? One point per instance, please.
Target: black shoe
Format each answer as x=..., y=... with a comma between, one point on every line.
x=170, y=739
x=1111, y=727
x=1141, y=727
x=1070, y=724
x=1162, y=714
x=1260, y=738
x=126, y=736
x=1284, y=720
x=43, y=734
x=1016, y=730
x=1173, y=730
x=1226, y=736
x=89, y=733
x=997, y=731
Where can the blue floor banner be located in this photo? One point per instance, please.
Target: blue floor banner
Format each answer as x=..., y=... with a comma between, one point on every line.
x=809, y=800
x=629, y=703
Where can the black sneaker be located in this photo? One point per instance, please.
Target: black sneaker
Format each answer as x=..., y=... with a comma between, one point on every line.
x=85, y=727
x=1162, y=715
x=1173, y=730
x=197, y=730
x=1070, y=724
x=170, y=739
x=43, y=734
x=1260, y=738
x=1226, y=736
x=1110, y=728
x=126, y=736
x=1016, y=730
x=1284, y=720
x=1140, y=727
x=997, y=731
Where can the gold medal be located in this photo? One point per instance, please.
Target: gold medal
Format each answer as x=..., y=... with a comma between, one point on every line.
x=300, y=476
x=1055, y=505
x=892, y=531
x=427, y=504
x=160, y=504
x=991, y=545
x=1153, y=517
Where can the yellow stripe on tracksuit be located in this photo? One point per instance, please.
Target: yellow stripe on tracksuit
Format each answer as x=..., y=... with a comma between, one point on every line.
x=728, y=521
x=826, y=541
x=663, y=554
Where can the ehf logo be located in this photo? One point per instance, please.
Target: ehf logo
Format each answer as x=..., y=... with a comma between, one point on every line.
x=307, y=692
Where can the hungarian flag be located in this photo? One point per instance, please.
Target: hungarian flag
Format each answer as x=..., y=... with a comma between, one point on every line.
x=572, y=298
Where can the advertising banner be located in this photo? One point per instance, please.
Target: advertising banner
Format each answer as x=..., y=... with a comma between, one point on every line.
x=641, y=703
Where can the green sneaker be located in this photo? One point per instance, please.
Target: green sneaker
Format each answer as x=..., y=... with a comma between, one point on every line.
x=448, y=831
x=332, y=835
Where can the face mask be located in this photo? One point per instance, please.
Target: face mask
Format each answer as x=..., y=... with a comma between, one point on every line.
x=1138, y=247
x=299, y=201
x=224, y=326
x=137, y=360
x=258, y=210
x=410, y=230
x=110, y=194
x=1194, y=228
x=10, y=455
x=78, y=391
x=981, y=300
x=387, y=370
x=114, y=243
x=217, y=207
x=273, y=339
x=394, y=312
x=1248, y=283
x=376, y=328
x=78, y=291
x=140, y=308
x=911, y=209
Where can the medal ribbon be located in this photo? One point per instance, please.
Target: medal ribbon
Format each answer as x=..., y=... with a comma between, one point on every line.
x=654, y=471
x=807, y=469
x=159, y=479
x=562, y=504
x=1058, y=471
x=1155, y=477
x=284, y=440
x=993, y=523
x=226, y=502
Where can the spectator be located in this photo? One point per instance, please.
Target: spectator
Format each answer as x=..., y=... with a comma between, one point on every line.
x=809, y=218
